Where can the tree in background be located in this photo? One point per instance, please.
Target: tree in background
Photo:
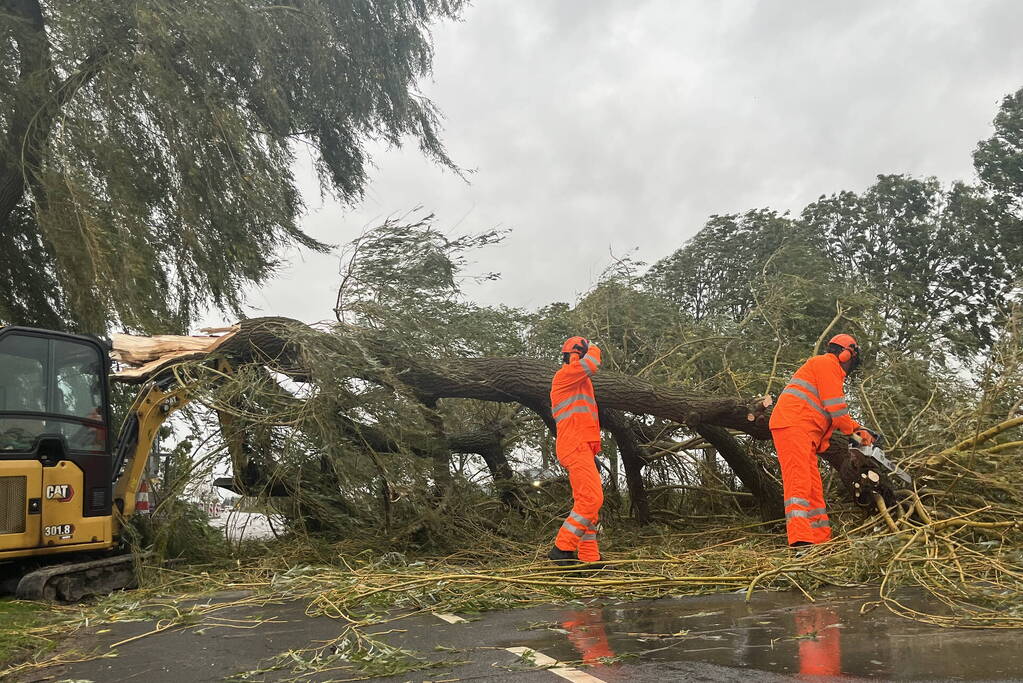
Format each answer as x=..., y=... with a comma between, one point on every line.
x=710, y=276
x=147, y=149
x=928, y=258
x=999, y=163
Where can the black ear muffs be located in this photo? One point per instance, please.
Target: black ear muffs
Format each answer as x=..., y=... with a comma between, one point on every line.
x=566, y=358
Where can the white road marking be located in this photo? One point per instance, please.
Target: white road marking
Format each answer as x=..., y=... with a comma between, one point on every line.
x=450, y=618
x=566, y=672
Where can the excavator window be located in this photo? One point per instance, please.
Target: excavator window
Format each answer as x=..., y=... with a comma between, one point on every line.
x=54, y=387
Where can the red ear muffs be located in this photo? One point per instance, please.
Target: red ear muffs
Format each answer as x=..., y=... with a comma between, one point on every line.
x=848, y=353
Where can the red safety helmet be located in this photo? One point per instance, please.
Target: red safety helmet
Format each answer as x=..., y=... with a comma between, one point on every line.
x=850, y=349
x=574, y=345
x=572, y=342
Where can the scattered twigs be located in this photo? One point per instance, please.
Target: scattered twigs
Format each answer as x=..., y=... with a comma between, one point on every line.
x=766, y=574
x=980, y=438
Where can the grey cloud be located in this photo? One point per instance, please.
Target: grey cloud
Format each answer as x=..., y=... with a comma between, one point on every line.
x=630, y=122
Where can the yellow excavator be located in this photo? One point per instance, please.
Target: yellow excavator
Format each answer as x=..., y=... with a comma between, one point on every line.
x=67, y=488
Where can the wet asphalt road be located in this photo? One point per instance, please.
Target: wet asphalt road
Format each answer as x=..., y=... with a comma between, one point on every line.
x=778, y=636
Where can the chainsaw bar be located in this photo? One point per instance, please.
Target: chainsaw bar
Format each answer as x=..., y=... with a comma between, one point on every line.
x=877, y=455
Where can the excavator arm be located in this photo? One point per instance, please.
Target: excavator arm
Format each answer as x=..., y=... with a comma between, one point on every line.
x=158, y=400
x=153, y=405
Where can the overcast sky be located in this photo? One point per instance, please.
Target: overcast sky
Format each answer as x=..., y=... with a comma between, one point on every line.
x=600, y=126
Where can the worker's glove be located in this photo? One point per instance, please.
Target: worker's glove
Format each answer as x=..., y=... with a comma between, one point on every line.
x=876, y=438
x=863, y=437
x=582, y=348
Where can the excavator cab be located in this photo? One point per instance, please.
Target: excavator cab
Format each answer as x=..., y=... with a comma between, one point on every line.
x=55, y=443
x=67, y=488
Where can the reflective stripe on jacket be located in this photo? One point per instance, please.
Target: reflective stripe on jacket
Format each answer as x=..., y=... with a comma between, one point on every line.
x=572, y=402
x=814, y=397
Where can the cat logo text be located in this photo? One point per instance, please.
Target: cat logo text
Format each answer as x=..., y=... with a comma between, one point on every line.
x=61, y=493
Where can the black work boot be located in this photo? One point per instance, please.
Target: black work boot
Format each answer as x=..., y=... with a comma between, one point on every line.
x=563, y=558
x=800, y=548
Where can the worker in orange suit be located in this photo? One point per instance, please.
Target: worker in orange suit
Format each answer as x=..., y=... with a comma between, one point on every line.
x=578, y=441
x=808, y=411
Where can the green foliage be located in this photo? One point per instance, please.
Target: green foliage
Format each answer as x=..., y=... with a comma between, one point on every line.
x=927, y=257
x=999, y=159
x=177, y=530
x=147, y=149
x=910, y=263
x=999, y=162
x=547, y=328
x=405, y=278
x=712, y=274
x=633, y=327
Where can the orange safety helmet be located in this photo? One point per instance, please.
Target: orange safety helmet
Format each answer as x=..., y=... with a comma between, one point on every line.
x=574, y=345
x=849, y=348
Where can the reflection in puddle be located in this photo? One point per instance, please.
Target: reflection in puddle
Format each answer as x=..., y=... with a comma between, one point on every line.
x=820, y=641
x=782, y=633
x=588, y=635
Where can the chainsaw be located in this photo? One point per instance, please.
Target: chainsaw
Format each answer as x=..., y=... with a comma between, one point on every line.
x=870, y=471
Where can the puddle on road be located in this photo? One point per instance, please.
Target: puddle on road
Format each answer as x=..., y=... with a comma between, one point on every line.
x=783, y=633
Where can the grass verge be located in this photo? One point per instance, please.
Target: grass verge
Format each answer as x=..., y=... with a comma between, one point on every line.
x=18, y=620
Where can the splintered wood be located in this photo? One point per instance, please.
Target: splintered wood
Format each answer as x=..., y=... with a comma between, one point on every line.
x=145, y=355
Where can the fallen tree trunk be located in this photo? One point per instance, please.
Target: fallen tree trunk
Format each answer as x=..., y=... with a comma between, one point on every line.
x=291, y=347
x=273, y=341
x=528, y=380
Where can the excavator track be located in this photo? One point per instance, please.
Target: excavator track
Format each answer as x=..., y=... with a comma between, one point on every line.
x=73, y=581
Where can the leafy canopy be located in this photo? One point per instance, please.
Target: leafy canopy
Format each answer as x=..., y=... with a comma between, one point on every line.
x=147, y=148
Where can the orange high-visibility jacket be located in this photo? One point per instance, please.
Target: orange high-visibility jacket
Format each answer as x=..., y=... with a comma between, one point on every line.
x=815, y=399
x=572, y=402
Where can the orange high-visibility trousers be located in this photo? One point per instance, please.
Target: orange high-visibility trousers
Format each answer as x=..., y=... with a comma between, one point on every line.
x=806, y=518
x=579, y=532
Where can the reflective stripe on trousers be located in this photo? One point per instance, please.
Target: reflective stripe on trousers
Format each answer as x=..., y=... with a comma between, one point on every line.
x=579, y=530
x=806, y=518
x=586, y=532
